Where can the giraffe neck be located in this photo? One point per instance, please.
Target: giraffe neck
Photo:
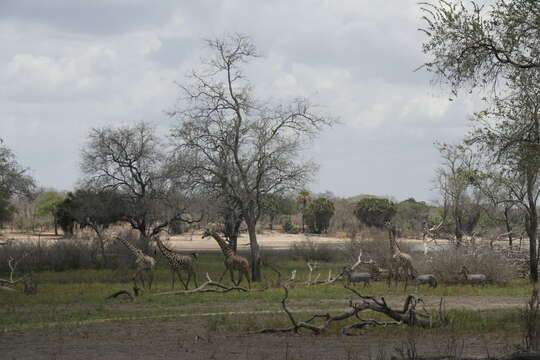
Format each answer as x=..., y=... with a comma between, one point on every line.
x=130, y=246
x=227, y=251
x=164, y=250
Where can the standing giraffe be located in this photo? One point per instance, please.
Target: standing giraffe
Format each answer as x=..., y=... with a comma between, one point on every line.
x=178, y=264
x=232, y=261
x=400, y=262
x=144, y=263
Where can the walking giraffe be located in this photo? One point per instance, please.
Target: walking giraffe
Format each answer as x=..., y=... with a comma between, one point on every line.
x=232, y=261
x=144, y=263
x=178, y=264
x=400, y=262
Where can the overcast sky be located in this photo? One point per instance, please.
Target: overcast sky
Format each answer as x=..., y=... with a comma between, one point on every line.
x=69, y=65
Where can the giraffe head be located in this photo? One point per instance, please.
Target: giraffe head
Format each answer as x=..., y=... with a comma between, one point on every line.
x=207, y=233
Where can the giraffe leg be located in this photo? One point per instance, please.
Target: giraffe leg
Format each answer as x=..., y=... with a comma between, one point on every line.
x=150, y=278
x=240, y=276
x=248, y=278
x=188, y=278
x=181, y=278
x=231, y=271
x=222, y=275
x=195, y=278
x=173, y=275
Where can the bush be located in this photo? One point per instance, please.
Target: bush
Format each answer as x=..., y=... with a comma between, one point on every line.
x=289, y=226
x=447, y=264
x=374, y=211
x=318, y=214
x=311, y=251
x=67, y=254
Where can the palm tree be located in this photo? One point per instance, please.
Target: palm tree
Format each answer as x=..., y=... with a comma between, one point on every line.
x=303, y=198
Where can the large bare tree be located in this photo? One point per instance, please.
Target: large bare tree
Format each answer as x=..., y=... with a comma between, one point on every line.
x=245, y=147
x=131, y=160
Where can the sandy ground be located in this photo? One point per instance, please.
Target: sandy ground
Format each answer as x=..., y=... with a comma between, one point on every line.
x=195, y=242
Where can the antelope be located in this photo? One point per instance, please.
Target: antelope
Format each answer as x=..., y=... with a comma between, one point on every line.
x=473, y=279
x=429, y=279
x=357, y=277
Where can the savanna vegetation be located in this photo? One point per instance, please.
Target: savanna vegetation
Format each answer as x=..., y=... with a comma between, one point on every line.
x=231, y=170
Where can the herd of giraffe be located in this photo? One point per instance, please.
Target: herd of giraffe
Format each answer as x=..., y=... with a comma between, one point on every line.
x=145, y=264
x=401, y=267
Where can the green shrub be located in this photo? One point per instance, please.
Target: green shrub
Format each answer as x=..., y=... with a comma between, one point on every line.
x=374, y=211
x=289, y=226
x=318, y=214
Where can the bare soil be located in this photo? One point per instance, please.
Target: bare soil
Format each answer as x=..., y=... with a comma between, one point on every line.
x=191, y=339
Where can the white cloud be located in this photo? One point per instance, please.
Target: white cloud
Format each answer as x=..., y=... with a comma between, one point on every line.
x=64, y=68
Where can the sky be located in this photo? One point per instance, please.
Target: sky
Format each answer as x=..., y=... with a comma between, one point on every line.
x=67, y=66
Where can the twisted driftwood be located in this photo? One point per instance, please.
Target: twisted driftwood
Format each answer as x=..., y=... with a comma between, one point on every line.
x=409, y=315
x=206, y=287
x=129, y=294
x=8, y=284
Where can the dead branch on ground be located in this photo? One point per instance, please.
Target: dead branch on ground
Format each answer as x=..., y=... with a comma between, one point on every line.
x=409, y=315
x=11, y=282
x=209, y=286
x=129, y=294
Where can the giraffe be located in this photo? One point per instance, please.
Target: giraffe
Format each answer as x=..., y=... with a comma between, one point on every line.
x=178, y=264
x=400, y=262
x=144, y=263
x=232, y=261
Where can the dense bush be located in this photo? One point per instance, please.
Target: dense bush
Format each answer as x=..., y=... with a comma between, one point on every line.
x=289, y=226
x=311, y=251
x=447, y=264
x=317, y=215
x=67, y=254
x=374, y=211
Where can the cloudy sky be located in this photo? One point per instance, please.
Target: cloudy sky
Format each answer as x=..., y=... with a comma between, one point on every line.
x=69, y=65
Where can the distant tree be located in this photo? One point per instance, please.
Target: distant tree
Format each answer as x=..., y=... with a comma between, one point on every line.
x=318, y=214
x=275, y=205
x=130, y=160
x=455, y=180
x=47, y=205
x=303, y=198
x=245, y=147
x=411, y=214
x=469, y=43
x=94, y=209
x=14, y=181
x=375, y=212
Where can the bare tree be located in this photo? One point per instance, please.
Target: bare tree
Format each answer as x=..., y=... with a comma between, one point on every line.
x=455, y=179
x=244, y=147
x=131, y=161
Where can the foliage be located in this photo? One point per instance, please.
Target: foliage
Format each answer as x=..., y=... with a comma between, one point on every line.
x=47, y=205
x=411, y=214
x=289, y=225
x=13, y=181
x=375, y=211
x=478, y=45
x=318, y=214
x=276, y=204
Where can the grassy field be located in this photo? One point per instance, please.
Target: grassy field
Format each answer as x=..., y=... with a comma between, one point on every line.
x=79, y=296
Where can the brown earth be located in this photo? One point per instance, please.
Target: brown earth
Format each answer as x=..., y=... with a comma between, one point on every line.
x=199, y=336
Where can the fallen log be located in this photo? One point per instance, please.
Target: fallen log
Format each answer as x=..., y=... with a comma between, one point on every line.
x=209, y=286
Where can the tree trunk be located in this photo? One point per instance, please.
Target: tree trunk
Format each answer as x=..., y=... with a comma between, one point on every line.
x=508, y=225
x=531, y=227
x=255, y=251
x=101, y=246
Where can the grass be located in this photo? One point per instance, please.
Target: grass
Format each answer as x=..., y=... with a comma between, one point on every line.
x=78, y=296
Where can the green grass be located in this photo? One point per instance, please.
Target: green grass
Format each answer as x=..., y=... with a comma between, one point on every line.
x=78, y=296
